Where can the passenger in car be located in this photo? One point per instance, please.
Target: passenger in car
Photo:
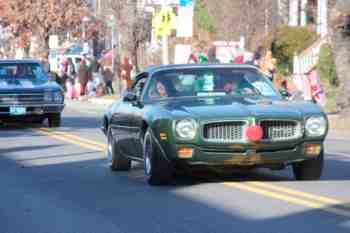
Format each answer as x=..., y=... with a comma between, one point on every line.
x=233, y=86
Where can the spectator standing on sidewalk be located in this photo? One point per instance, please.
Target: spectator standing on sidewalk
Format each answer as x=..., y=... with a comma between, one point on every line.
x=317, y=93
x=62, y=72
x=126, y=69
x=83, y=76
x=257, y=56
x=268, y=65
x=71, y=73
x=108, y=80
x=45, y=61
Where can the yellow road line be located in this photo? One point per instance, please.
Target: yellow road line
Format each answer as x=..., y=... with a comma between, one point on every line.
x=278, y=188
x=73, y=137
x=268, y=190
x=74, y=140
x=290, y=199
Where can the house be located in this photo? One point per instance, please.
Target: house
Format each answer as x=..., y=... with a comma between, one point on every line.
x=313, y=13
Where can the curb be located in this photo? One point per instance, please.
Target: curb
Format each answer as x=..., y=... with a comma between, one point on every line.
x=101, y=101
x=339, y=124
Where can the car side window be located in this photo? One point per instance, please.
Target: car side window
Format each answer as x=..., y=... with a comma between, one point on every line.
x=139, y=86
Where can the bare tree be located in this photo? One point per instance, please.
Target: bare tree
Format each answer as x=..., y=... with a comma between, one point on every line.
x=133, y=27
x=252, y=19
x=42, y=17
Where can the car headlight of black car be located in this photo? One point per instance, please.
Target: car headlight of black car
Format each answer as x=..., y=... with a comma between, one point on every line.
x=58, y=97
x=316, y=126
x=186, y=129
x=48, y=97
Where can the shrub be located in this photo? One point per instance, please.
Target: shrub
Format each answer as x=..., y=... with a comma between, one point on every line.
x=326, y=67
x=202, y=17
x=286, y=41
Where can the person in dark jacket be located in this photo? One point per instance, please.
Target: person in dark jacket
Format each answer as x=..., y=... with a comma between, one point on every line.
x=83, y=76
x=108, y=80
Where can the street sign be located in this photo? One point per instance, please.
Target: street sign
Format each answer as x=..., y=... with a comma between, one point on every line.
x=165, y=21
x=185, y=3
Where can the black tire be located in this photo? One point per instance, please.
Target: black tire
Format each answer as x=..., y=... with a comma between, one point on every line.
x=157, y=169
x=117, y=161
x=39, y=120
x=54, y=120
x=309, y=169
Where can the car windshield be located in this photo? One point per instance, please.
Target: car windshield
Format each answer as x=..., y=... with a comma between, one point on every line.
x=209, y=82
x=32, y=72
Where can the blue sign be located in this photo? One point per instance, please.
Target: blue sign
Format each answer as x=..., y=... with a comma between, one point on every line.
x=185, y=2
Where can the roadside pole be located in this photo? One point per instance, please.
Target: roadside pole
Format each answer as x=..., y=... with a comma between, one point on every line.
x=164, y=23
x=113, y=56
x=115, y=48
x=165, y=46
x=165, y=49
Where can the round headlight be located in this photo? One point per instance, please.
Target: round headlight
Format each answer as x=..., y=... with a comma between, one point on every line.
x=316, y=126
x=48, y=97
x=186, y=129
x=58, y=97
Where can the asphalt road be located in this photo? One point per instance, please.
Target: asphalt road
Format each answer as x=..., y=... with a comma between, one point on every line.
x=58, y=182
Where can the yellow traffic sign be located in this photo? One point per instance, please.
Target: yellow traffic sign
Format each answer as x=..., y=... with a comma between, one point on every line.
x=164, y=22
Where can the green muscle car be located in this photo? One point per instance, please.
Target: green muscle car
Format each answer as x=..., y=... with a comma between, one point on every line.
x=217, y=116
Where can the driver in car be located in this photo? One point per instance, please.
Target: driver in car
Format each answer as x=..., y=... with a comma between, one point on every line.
x=159, y=91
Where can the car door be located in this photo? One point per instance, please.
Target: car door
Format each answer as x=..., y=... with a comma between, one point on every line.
x=137, y=115
x=121, y=125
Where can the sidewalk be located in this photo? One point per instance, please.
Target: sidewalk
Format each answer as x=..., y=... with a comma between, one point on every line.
x=339, y=127
x=103, y=100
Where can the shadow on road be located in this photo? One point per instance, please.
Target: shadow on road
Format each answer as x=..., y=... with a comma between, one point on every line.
x=123, y=202
x=20, y=148
x=85, y=196
x=68, y=122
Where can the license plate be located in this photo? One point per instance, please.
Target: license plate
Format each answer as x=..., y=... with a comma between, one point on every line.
x=17, y=110
x=244, y=160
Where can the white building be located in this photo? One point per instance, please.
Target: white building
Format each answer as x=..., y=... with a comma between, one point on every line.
x=307, y=12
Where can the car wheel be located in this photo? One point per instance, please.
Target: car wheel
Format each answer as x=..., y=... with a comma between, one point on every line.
x=116, y=160
x=54, y=120
x=157, y=169
x=310, y=169
x=39, y=120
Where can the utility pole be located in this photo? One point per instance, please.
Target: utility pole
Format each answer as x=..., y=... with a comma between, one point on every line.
x=165, y=48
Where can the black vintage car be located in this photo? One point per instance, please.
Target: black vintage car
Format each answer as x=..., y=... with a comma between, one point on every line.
x=216, y=116
x=28, y=94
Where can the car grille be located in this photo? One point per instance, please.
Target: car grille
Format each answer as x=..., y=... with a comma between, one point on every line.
x=30, y=98
x=225, y=132
x=281, y=130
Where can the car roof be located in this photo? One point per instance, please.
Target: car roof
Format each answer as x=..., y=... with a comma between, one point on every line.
x=18, y=61
x=154, y=69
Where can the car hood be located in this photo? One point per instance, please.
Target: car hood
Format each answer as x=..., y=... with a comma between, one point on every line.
x=18, y=85
x=240, y=107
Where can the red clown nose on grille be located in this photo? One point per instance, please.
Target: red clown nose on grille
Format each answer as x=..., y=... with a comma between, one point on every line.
x=255, y=133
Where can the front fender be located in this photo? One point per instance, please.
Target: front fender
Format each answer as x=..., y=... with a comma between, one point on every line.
x=160, y=148
x=105, y=123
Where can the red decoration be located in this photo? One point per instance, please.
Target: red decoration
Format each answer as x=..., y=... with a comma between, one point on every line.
x=255, y=133
x=239, y=60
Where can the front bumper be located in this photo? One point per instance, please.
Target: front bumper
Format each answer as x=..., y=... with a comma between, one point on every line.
x=31, y=110
x=260, y=157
